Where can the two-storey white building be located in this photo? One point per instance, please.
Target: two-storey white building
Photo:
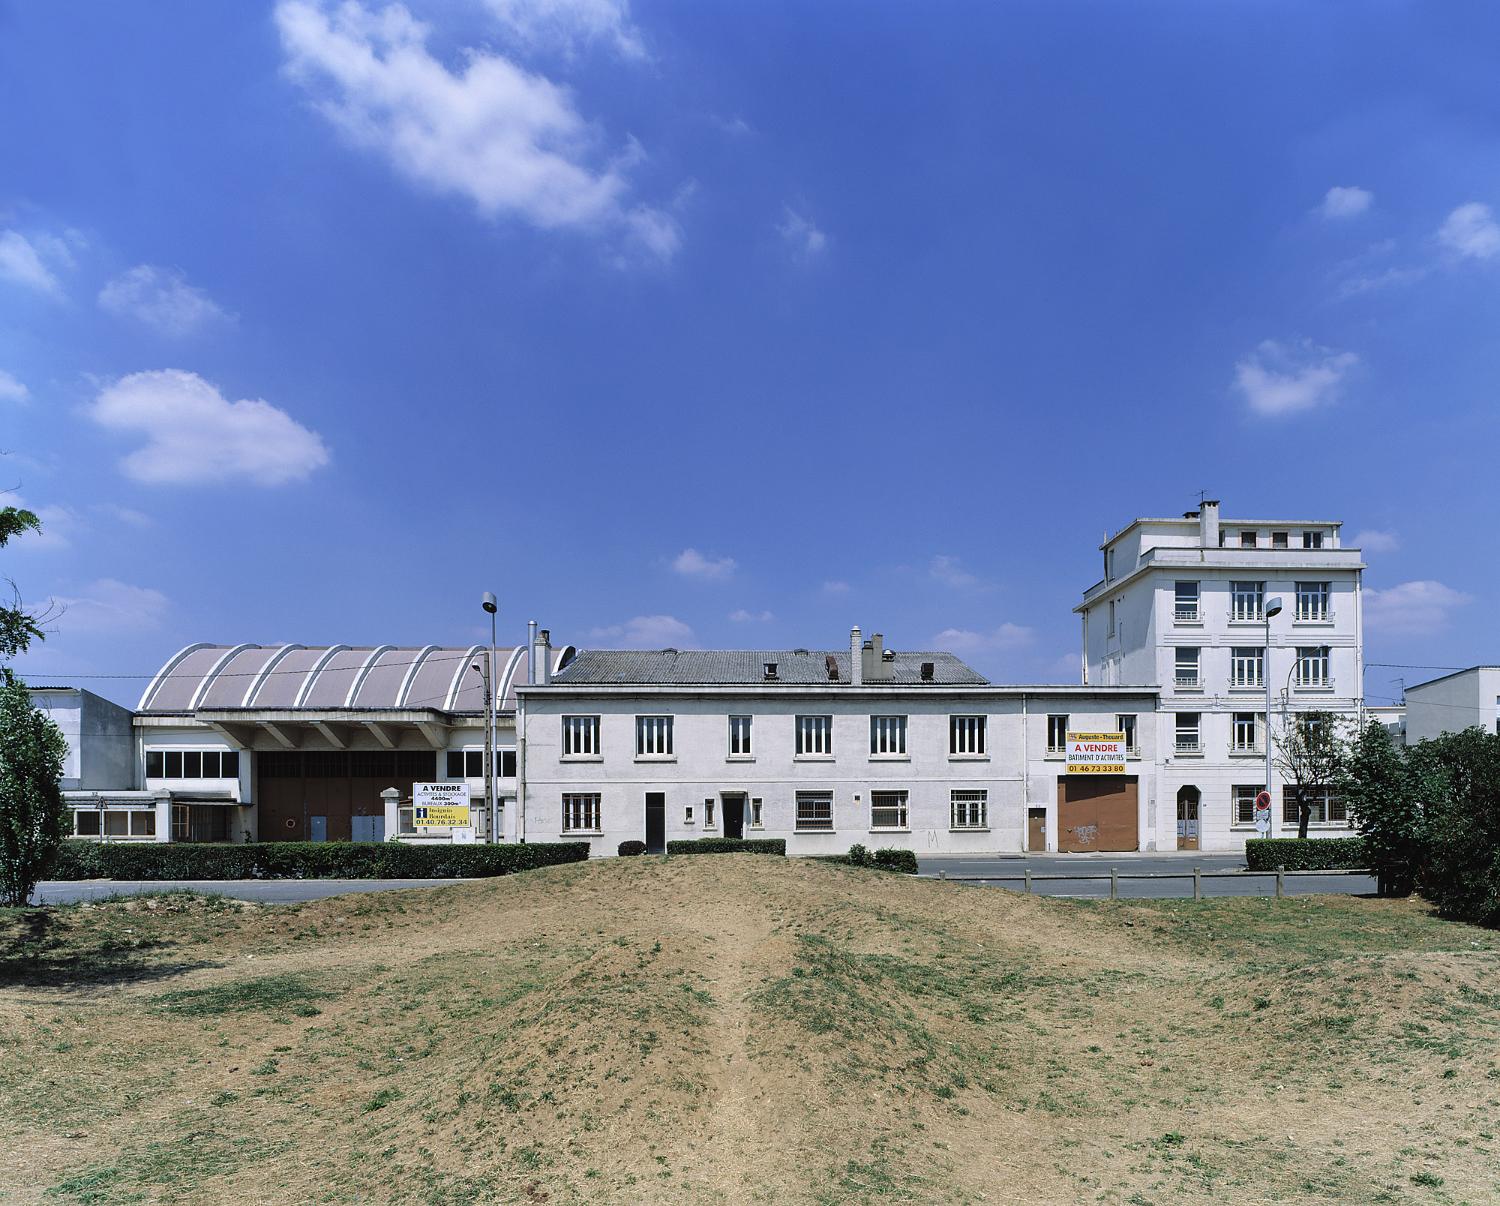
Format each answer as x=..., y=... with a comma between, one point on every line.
x=1185, y=604
x=827, y=749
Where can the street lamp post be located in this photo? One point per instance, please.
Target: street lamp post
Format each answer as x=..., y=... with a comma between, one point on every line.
x=1272, y=608
x=491, y=605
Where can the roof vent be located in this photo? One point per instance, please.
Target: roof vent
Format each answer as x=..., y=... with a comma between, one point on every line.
x=800, y=651
x=770, y=670
x=833, y=668
x=888, y=656
x=927, y=671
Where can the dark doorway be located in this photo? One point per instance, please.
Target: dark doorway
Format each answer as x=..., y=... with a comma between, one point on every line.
x=656, y=822
x=1036, y=829
x=734, y=816
x=1187, y=819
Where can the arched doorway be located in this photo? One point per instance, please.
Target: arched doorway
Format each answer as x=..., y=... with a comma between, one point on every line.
x=1187, y=818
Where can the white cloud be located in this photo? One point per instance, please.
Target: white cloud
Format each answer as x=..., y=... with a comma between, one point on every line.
x=1340, y=202
x=741, y=616
x=24, y=262
x=161, y=298
x=1369, y=282
x=967, y=640
x=647, y=632
x=1374, y=540
x=12, y=390
x=509, y=140
x=1412, y=607
x=835, y=586
x=194, y=434
x=690, y=563
x=1278, y=380
x=805, y=239
x=1471, y=230
x=109, y=606
x=569, y=25
x=950, y=572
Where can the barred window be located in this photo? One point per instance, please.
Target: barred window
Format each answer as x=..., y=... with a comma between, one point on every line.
x=966, y=735
x=815, y=735
x=580, y=736
x=1057, y=734
x=653, y=736
x=814, y=810
x=739, y=736
x=580, y=813
x=969, y=810
x=888, y=810
x=1326, y=806
x=888, y=735
x=1244, y=802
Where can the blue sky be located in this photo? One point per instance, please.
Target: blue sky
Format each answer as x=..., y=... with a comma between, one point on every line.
x=734, y=325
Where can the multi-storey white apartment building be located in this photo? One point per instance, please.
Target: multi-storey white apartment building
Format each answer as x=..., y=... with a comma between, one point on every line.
x=1184, y=604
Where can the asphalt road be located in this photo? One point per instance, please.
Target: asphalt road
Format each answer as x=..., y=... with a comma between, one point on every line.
x=1244, y=884
x=265, y=891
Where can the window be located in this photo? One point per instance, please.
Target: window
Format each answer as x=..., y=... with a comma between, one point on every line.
x=1312, y=540
x=888, y=810
x=1326, y=806
x=708, y=812
x=469, y=764
x=507, y=763
x=1247, y=540
x=1187, y=736
x=1185, y=670
x=1125, y=723
x=116, y=822
x=1312, y=665
x=1246, y=732
x=969, y=810
x=739, y=736
x=580, y=812
x=1279, y=540
x=653, y=736
x=1109, y=564
x=814, y=736
x=1185, y=603
x=887, y=736
x=755, y=806
x=192, y=764
x=1057, y=734
x=966, y=736
x=815, y=808
x=580, y=736
x=1312, y=600
x=85, y=822
x=1111, y=617
x=687, y=815
x=1247, y=667
x=1244, y=802
x=1246, y=599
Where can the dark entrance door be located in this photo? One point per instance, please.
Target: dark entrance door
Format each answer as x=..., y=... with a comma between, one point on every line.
x=734, y=816
x=656, y=822
x=1187, y=819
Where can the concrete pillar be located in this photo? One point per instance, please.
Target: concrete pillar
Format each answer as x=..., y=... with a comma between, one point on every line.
x=391, y=799
x=856, y=658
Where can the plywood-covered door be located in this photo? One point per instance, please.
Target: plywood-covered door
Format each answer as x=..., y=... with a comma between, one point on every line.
x=1097, y=812
x=1036, y=830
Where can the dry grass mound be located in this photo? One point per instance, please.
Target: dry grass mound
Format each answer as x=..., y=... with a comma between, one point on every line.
x=746, y=1029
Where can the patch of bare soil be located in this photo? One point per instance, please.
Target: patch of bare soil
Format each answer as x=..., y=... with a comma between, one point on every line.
x=742, y=1029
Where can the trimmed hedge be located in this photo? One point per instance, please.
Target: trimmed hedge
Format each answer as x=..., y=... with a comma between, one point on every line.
x=305, y=860
x=1306, y=854
x=903, y=862
x=727, y=846
x=631, y=847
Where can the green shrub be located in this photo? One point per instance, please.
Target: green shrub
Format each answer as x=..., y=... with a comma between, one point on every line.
x=305, y=860
x=1461, y=873
x=903, y=862
x=727, y=846
x=1306, y=854
x=631, y=848
x=859, y=856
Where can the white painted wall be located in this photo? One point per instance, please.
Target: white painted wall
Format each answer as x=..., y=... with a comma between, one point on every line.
x=1454, y=703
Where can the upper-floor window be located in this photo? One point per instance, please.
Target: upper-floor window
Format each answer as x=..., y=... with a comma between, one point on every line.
x=1185, y=602
x=1278, y=540
x=1109, y=564
x=1187, y=736
x=1312, y=666
x=1125, y=723
x=1112, y=620
x=888, y=736
x=1246, y=732
x=192, y=764
x=1312, y=600
x=1057, y=734
x=968, y=809
x=815, y=736
x=653, y=736
x=1312, y=540
x=1247, y=667
x=580, y=736
x=966, y=736
x=1185, y=666
x=469, y=764
x=739, y=736
x=580, y=813
x=1247, y=539
x=888, y=810
x=1246, y=600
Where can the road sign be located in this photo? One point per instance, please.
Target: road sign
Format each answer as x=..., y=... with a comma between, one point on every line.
x=440, y=805
x=1096, y=754
x=1262, y=800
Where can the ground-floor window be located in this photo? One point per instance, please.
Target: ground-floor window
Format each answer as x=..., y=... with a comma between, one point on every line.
x=755, y=807
x=580, y=813
x=114, y=822
x=888, y=810
x=969, y=810
x=1327, y=807
x=1244, y=802
x=814, y=810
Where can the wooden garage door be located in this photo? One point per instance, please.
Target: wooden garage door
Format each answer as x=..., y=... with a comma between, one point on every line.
x=1096, y=812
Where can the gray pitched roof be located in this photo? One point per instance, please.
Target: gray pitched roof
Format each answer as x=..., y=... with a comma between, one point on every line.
x=746, y=667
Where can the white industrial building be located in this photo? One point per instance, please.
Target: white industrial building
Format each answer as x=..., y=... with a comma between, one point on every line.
x=1462, y=700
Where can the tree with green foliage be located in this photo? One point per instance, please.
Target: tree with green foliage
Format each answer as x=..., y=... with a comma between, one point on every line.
x=31, y=805
x=1460, y=775
x=18, y=627
x=1310, y=752
x=1385, y=792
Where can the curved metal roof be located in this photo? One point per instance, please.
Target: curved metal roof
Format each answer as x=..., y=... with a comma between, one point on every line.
x=331, y=677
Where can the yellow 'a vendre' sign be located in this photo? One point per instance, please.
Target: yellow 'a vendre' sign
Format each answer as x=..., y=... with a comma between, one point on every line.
x=1096, y=753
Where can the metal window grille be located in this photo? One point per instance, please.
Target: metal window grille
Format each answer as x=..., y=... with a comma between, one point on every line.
x=815, y=810
x=966, y=734
x=1057, y=734
x=888, y=735
x=1325, y=806
x=653, y=736
x=1244, y=802
x=580, y=736
x=1247, y=667
x=1312, y=600
x=969, y=809
x=580, y=812
x=739, y=736
x=815, y=735
x=888, y=810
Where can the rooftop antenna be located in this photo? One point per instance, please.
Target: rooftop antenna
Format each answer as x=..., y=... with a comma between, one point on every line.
x=1202, y=498
x=1402, y=682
